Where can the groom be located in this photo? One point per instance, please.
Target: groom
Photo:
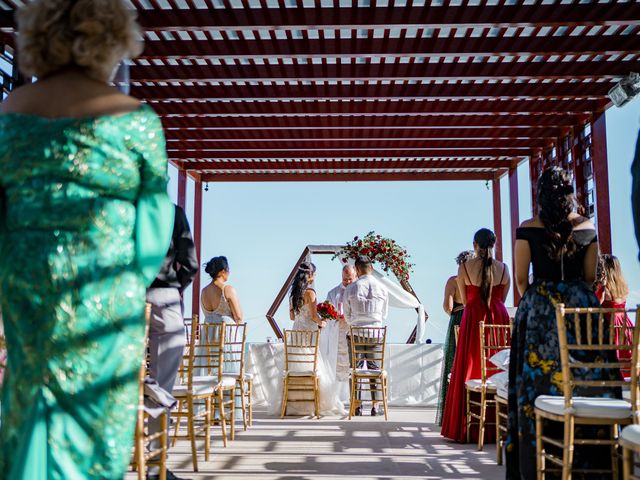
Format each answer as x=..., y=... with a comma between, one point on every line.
x=366, y=304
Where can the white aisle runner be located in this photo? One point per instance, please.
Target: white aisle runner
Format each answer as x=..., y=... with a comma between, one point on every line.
x=414, y=372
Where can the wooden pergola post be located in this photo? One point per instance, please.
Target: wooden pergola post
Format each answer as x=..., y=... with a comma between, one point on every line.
x=601, y=180
x=197, y=239
x=514, y=207
x=182, y=189
x=497, y=217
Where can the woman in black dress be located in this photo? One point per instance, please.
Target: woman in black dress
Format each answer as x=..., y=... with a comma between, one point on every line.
x=562, y=248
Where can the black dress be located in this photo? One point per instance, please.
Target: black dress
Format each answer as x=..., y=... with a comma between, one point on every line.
x=534, y=367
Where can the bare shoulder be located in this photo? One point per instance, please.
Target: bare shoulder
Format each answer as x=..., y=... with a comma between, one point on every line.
x=310, y=294
x=531, y=222
x=452, y=279
x=229, y=290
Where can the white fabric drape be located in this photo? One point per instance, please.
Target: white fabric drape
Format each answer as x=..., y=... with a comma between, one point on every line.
x=400, y=298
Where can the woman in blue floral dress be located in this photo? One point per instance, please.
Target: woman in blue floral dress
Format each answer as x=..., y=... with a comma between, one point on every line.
x=562, y=248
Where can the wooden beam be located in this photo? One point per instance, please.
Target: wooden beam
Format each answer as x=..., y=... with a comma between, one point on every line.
x=386, y=71
x=428, y=16
x=344, y=177
x=197, y=240
x=497, y=217
x=396, y=47
x=381, y=107
x=514, y=210
x=601, y=178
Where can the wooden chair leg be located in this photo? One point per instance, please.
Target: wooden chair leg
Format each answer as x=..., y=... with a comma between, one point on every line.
x=615, y=473
x=483, y=413
x=250, y=400
x=498, y=434
x=316, y=395
x=223, y=421
x=384, y=399
x=539, y=450
x=285, y=396
x=232, y=416
x=192, y=433
x=164, y=425
x=352, y=397
x=627, y=463
x=243, y=403
x=207, y=428
x=567, y=451
x=468, y=414
x=178, y=418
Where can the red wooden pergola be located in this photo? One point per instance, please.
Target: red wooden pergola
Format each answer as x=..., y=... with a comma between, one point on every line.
x=355, y=90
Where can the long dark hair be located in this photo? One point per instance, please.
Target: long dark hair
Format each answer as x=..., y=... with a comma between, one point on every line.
x=216, y=265
x=300, y=285
x=555, y=199
x=485, y=239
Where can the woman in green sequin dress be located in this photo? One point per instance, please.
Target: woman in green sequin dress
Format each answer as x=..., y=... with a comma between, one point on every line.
x=454, y=307
x=85, y=222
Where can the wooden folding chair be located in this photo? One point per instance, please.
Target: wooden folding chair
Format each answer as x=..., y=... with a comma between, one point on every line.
x=301, y=368
x=234, y=351
x=194, y=400
x=493, y=338
x=502, y=418
x=368, y=344
x=142, y=457
x=211, y=351
x=585, y=338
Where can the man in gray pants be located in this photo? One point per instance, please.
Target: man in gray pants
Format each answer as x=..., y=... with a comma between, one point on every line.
x=166, y=330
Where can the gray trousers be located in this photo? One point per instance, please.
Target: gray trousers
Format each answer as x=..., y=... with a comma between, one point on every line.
x=368, y=354
x=166, y=342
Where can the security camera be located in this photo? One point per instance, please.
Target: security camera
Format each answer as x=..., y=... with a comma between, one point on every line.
x=625, y=90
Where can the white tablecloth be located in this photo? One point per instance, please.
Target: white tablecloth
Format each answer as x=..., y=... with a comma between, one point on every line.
x=414, y=372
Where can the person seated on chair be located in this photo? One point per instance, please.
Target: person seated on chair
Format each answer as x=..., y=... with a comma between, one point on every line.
x=366, y=304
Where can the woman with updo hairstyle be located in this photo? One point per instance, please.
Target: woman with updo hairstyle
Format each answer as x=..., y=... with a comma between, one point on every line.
x=303, y=299
x=220, y=302
x=483, y=282
x=85, y=224
x=453, y=307
x=561, y=248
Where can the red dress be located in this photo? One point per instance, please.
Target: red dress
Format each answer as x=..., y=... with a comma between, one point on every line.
x=466, y=364
x=621, y=320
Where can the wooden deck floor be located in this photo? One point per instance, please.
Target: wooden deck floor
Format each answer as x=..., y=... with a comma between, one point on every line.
x=408, y=446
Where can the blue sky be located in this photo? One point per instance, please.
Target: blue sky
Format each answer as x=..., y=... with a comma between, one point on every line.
x=262, y=228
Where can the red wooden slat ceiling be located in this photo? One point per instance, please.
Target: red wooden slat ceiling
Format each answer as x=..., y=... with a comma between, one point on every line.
x=298, y=90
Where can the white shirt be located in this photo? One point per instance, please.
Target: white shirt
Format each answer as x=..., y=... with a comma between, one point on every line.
x=336, y=297
x=366, y=302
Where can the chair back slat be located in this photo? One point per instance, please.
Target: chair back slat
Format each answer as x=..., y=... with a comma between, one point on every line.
x=493, y=339
x=601, y=346
x=301, y=350
x=207, y=353
x=235, y=337
x=369, y=342
x=183, y=369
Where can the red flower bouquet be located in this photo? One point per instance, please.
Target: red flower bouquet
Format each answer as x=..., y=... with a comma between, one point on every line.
x=327, y=311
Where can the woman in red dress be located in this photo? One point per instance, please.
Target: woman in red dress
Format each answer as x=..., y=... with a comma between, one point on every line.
x=484, y=284
x=614, y=295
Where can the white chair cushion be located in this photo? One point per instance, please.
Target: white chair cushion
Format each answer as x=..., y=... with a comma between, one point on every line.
x=365, y=372
x=590, y=407
x=212, y=381
x=501, y=359
x=302, y=373
x=503, y=392
x=476, y=384
x=631, y=434
x=500, y=380
x=198, y=389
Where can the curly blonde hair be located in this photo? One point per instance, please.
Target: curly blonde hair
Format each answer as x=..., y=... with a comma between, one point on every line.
x=94, y=35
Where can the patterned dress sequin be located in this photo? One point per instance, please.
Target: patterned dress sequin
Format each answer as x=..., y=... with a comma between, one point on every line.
x=85, y=222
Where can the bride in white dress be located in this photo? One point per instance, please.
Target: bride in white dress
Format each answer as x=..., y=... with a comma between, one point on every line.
x=303, y=312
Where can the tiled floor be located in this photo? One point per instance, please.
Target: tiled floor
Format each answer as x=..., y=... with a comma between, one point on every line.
x=408, y=446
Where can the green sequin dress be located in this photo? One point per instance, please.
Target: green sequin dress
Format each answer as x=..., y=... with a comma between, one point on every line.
x=85, y=222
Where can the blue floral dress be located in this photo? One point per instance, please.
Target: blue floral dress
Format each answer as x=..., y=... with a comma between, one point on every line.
x=535, y=354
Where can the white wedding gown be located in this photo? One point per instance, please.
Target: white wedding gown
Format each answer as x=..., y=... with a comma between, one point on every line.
x=330, y=403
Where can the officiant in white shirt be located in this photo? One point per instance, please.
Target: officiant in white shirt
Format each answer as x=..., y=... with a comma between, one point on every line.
x=366, y=304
